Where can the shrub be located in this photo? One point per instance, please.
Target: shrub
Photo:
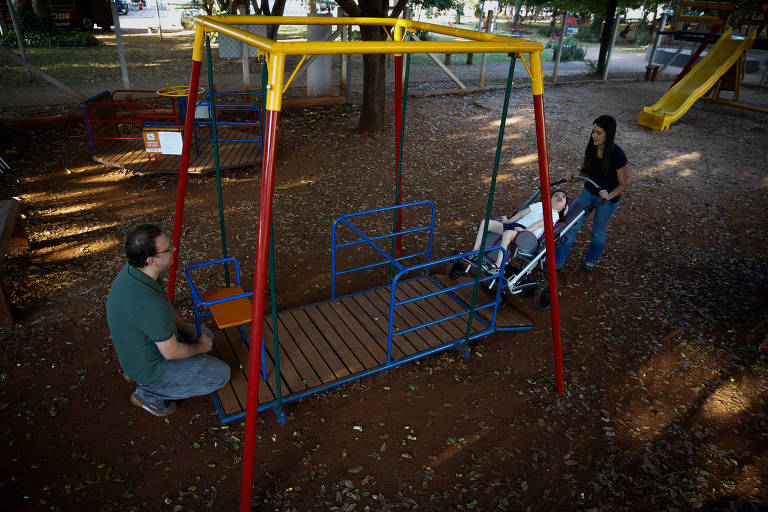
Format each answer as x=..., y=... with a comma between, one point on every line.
x=423, y=35
x=571, y=50
x=37, y=39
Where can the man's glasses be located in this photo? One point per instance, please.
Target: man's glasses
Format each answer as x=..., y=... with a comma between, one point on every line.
x=169, y=249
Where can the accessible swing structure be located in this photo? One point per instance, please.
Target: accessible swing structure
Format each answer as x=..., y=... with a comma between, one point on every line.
x=346, y=338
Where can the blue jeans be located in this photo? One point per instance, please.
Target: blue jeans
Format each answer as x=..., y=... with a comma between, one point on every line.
x=603, y=214
x=185, y=378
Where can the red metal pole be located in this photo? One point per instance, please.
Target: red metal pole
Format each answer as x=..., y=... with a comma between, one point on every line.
x=181, y=188
x=398, y=126
x=549, y=239
x=259, y=294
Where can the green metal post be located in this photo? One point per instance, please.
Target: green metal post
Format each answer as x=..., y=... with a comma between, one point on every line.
x=215, y=136
x=398, y=213
x=489, y=205
x=273, y=300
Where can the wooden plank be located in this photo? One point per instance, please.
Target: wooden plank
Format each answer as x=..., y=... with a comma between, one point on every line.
x=351, y=361
x=423, y=315
x=408, y=320
x=206, y=159
x=381, y=302
x=447, y=305
x=410, y=343
x=376, y=328
x=288, y=327
x=508, y=316
x=293, y=355
x=332, y=359
x=238, y=385
x=356, y=338
x=290, y=375
x=266, y=393
x=431, y=311
x=248, y=152
x=236, y=154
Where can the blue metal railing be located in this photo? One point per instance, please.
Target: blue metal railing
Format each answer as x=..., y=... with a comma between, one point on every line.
x=394, y=303
x=231, y=107
x=371, y=241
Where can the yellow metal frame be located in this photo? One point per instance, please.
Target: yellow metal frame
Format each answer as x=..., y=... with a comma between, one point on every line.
x=275, y=51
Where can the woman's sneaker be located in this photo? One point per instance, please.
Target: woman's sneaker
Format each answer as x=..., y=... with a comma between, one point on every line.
x=160, y=408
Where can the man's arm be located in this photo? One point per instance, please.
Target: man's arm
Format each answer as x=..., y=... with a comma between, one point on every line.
x=172, y=348
x=183, y=328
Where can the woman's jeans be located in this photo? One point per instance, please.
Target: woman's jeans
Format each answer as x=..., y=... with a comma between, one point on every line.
x=603, y=214
x=184, y=378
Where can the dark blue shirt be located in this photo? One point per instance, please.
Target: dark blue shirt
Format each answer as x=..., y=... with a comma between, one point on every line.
x=611, y=179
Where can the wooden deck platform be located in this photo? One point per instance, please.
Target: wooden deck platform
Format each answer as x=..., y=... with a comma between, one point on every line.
x=131, y=156
x=329, y=343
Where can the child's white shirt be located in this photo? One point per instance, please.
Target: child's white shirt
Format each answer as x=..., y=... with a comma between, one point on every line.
x=535, y=215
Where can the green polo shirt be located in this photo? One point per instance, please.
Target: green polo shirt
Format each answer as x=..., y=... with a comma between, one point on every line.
x=139, y=315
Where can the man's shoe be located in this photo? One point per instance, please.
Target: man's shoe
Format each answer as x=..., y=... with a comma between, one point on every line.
x=160, y=408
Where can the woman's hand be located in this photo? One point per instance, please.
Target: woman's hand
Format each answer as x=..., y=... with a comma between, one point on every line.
x=604, y=194
x=518, y=228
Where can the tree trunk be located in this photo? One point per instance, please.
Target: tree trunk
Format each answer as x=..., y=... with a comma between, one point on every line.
x=605, y=36
x=374, y=84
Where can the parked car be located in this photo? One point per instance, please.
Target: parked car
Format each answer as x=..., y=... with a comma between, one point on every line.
x=122, y=6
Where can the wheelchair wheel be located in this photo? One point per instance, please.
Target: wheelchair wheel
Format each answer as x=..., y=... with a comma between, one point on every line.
x=541, y=297
x=503, y=299
x=455, y=269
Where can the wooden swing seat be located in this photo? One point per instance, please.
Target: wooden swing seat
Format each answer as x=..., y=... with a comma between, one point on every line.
x=231, y=313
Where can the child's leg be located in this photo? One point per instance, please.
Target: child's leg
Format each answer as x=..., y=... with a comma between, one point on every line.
x=506, y=239
x=494, y=226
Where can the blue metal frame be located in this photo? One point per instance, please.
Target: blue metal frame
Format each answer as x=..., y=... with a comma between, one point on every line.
x=235, y=107
x=404, y=275
x=371, y=240
x=198, y=302
x=85, y=115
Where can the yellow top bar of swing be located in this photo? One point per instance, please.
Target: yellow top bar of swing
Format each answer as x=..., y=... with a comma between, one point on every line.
x=473, y=42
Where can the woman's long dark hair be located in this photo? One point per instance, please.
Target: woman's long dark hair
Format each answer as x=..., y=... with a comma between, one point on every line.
x=608, y=124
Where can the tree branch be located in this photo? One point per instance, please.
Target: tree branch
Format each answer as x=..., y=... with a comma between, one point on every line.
x=350, y=7
x=398, y=8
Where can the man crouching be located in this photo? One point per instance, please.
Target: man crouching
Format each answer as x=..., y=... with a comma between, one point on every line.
x=155, y=347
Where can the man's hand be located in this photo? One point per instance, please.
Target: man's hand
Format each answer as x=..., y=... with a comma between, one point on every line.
x=603, y=193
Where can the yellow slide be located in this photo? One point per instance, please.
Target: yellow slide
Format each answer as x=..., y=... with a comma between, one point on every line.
x=697, y=82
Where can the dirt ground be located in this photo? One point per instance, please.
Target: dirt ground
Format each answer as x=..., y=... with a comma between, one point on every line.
x=665, y=343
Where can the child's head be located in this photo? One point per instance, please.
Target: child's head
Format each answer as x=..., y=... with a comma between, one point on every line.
x=559, y=200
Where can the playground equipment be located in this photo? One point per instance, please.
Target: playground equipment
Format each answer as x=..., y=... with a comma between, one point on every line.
x=725, y=55
x=415, y=304
x=122, y=125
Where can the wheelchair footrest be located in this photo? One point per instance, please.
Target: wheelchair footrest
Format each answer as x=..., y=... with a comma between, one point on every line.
x=230, y=313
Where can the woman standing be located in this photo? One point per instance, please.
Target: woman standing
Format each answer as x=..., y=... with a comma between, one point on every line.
x=606, y=164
